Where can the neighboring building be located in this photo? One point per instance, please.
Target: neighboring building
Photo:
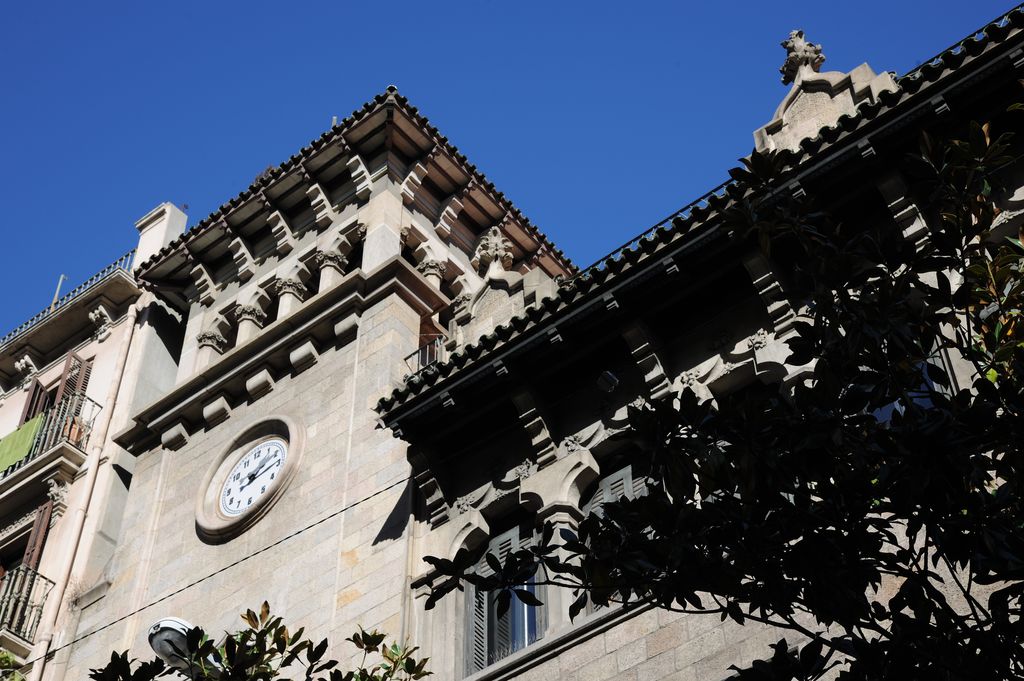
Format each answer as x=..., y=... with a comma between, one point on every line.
x=69, y=377
x=370, y=356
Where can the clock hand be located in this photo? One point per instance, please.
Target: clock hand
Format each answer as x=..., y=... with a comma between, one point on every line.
x=259, y=471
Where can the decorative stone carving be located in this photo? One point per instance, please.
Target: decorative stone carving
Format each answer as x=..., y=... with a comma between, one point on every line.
x=292, y=287
x=323, y=209
x=816, y=100
x=58, y=493
x=572, y=444
x=100, y=318
x=759, y=341
x=524, y=470
x=337, y=261
x=432, y=267
x=800, y=54
x=461, y=301
x=212, y=339
x=251, y=313
x=26, y=365
x=493, y=247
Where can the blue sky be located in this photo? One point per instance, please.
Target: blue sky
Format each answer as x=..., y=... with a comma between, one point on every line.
x=596, y=119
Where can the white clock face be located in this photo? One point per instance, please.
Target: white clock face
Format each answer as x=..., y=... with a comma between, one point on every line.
x=256, y=474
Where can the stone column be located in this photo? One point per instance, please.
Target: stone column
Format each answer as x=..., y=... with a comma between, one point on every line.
x=558, y=600
x=250, y=320
x=291, y=292
x=332, y=268
x=433, y=271
x=211, y=344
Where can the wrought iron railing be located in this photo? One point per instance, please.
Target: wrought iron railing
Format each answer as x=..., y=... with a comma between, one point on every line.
x=123, y=263
x=23, y=593
x=69, y=422
x=428, y=353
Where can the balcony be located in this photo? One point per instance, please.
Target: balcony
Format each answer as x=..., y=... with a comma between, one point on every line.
x=428, y=353
x=23, y=593
x=47, y=448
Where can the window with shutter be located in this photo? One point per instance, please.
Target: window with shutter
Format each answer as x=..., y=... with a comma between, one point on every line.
x=621, y=483
x=37, y=538
x=39, y=400
x=491, y=637
x=75, y=378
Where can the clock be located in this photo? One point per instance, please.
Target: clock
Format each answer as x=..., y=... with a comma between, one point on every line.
x=247, y=479
x=256, y=474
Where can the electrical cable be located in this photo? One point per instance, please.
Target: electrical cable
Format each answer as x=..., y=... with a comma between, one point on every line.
x=161, y=599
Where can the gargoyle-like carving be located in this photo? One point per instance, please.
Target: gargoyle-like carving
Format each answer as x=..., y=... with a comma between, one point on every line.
x=102, y=321
x=493, y=247
x=25, y=365
x=800, y=54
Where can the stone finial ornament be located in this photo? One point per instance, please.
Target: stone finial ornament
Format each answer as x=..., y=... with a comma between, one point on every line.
x=493, y=247
x=800, y=56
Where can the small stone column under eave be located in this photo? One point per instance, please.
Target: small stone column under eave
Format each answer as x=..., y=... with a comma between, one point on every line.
x=816, y=100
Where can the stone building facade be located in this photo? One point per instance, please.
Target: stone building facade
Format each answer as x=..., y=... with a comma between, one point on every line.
x=371, y=356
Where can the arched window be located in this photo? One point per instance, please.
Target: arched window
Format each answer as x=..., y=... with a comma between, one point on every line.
x=493, y=637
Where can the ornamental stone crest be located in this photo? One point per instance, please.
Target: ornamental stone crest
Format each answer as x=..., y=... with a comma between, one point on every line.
x=800, y=54
x=493, y=247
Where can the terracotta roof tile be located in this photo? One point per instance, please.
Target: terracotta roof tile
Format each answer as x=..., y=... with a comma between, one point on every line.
x=683, y=221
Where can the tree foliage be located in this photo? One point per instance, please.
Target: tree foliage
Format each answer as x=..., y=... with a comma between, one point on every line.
x=870, y=507
x=264, y=651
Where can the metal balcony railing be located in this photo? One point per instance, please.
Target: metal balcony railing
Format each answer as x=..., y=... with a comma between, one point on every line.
x=69, y=422
x=428, y=353
x=123, y=263
x=23, y=592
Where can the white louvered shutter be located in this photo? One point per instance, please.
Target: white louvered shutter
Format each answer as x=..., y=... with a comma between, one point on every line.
x=483, y=641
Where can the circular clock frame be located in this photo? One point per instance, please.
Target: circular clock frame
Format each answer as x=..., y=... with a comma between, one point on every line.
x=213, y=525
